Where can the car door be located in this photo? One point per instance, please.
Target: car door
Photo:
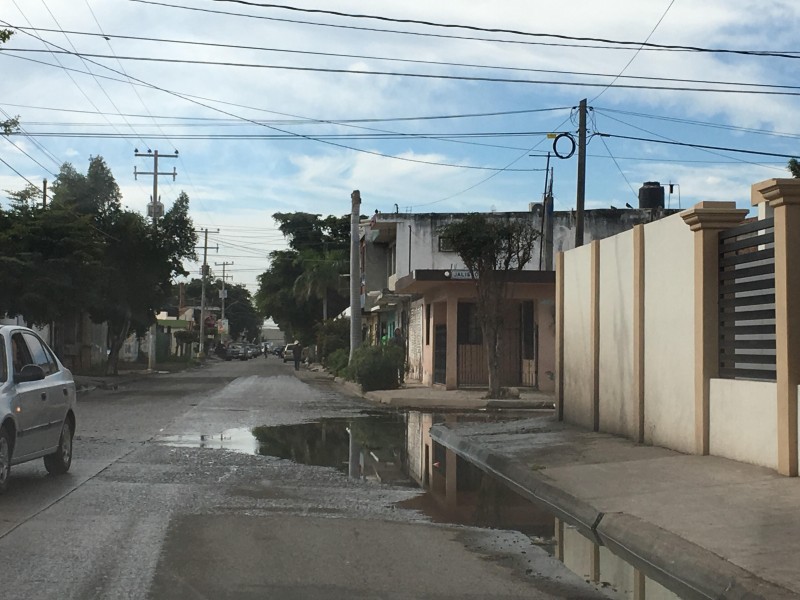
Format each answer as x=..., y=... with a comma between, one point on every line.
x=54, y=387
x=29, y=403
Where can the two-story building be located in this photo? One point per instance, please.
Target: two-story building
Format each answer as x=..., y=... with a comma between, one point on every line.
x=412, y=280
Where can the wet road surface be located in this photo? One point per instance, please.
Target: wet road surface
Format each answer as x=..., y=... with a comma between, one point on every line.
x=169, y=498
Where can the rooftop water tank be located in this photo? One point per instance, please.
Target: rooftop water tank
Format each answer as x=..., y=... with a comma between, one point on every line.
x=651, y=195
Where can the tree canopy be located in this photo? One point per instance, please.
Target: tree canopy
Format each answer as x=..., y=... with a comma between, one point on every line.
x=85, y=253
x=301, y=286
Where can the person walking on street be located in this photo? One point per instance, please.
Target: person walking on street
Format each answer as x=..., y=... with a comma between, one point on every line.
x=297, y=352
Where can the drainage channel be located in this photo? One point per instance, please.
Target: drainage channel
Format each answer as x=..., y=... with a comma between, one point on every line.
x=396, y=449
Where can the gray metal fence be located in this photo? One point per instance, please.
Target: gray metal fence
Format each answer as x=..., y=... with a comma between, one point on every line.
x=747, y=301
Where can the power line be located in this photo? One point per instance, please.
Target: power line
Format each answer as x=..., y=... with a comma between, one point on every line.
x=405, y=60
x=759, y=89
x=624, y=43
x=700, y=146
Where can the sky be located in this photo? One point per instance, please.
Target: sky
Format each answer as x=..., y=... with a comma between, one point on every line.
x=422, y=106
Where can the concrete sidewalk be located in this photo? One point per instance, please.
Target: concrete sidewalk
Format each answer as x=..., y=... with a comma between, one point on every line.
x=702, y=526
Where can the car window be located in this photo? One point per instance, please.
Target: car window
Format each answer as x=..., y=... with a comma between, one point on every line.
x=39, y=354
x=20, y=355
x=3, y=364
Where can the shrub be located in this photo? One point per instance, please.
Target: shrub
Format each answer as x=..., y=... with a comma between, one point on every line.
x=336, y=362
x=332, y=335
x=375, y=368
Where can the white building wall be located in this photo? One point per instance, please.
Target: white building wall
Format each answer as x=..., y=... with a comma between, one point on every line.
x=616, y=335
x=669, y=329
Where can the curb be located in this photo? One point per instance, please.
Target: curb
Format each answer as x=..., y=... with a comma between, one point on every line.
x=681, y=566
x=522, y=480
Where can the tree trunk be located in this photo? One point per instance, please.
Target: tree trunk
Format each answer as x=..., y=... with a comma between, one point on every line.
x=492, y=340
x=112, y=366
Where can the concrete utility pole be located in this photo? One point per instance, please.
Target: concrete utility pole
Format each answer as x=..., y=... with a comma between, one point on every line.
x=581, y=192
x=203, y=277
x=44, y=193
x=155, y=210
x=223, y=293
x=355, y=274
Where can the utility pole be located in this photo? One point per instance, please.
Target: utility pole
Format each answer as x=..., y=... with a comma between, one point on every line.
x=223, y=294
x=44, y=193
x=581, y=192
x=203, y=277
x=154, y=210
x=355, y=274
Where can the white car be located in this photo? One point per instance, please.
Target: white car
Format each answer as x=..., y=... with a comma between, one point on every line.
x=37, y=404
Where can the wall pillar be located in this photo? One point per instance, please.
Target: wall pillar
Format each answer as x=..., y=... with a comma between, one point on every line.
x=560, y=336
x=638, y=333
x=706, y=220
x=451, y=376
x=595, y=333
x=783, y=196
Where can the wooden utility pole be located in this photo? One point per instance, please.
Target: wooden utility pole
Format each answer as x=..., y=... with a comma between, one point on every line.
x=581, y=192
x=155, y=210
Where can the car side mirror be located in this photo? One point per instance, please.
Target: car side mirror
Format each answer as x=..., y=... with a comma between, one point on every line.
x=29, y=373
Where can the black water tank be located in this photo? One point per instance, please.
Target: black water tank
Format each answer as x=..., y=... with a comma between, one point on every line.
x=651, y=195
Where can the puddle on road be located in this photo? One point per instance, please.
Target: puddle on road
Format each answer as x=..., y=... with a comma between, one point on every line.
x=396, y=448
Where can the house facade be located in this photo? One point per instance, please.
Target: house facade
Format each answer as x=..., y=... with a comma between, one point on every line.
x=412, y=280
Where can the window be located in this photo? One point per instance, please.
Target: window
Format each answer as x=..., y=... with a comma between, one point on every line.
x=3, y=366
x=40, y=356
x=427, y=324
x=20, y=355
x=445, y=244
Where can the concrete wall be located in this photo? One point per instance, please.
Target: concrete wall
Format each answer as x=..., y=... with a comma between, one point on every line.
x=669, y=405
x=616, y=335
x=578, y=363
x=546, y=327
x=617, y=573
x=744, y=421
x=416, y=333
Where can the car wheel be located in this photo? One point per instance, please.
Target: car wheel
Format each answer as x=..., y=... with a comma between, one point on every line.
x=59, y=461
x=5, y=459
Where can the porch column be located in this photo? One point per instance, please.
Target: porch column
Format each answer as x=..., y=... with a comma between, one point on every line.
x=451, y=376
x=783, y=196
x=706, y=220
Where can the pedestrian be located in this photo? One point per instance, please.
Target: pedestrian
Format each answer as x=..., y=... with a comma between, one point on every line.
x=399, y=342
x=297, y=353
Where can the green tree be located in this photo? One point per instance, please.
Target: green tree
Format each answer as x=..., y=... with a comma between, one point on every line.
x=491, y=247
x=321, y=276
x=50, y=260
x=794, y=167
x=139, y=259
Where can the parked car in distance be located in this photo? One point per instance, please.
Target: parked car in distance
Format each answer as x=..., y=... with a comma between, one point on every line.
x=287, y=353
x=233, y=351
x=37, y=404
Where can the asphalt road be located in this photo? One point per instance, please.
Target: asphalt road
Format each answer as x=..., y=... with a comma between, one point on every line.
x=166, y=500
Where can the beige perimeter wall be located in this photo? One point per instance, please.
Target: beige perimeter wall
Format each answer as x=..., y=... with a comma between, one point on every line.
x=669, y=407
x=578, y=356
x=616, y=335
x=744, y=421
